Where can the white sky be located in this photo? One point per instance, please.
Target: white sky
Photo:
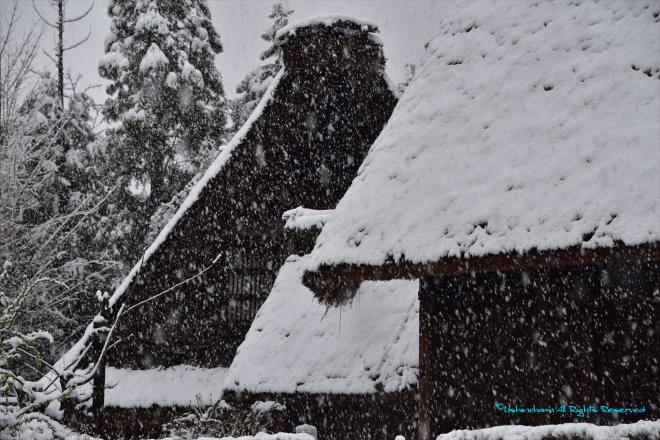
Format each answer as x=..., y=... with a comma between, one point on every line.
x=405, y=26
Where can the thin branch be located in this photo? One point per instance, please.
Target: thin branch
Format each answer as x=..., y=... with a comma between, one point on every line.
x=10, y=26
x=81, y=16
x=25, y=364
x=73, y=46
x=34, y=5
x=50, y=57
x=35, y=358
x=93, y=371
x=199, y=274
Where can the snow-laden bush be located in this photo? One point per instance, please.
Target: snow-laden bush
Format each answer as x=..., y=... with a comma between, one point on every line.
x=222, y=419
x=23, y=405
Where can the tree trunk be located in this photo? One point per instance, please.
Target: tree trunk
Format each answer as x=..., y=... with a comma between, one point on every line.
x=60, y=51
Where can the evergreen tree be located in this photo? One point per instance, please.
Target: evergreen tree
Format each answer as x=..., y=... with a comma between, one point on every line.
x=280, y=16
x=168, y=101
x=255, y=84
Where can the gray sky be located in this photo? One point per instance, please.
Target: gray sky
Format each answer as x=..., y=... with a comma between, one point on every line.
x=405, y=26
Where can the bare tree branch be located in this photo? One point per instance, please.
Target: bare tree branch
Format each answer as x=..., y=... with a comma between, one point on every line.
x=50, y=57
x=73, y=46
x=34, y=5
x=81, y=16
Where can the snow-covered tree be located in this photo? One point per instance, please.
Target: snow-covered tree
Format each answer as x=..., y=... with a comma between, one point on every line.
x=16, y=58
x=280, y=16
x=52, y=194
x=21, y=362
x=255, y=83
x=52, y=204
x=166, y=102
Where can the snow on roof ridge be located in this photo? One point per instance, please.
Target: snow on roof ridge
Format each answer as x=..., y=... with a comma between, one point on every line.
x=213, y=170
x=327, y=20
x=196, y=190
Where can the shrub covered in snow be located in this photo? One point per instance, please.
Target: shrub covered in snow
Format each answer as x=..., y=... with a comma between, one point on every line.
x=223, y=419
x=23, y=405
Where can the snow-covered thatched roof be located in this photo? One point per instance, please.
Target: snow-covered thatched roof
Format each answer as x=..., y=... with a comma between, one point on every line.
x=528, y=125
x=296, y=344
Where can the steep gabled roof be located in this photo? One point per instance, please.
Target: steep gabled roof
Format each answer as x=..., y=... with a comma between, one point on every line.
x=198, y=188
x=301, y=146
x=529, y=126
x=296, y=344
x=82, y=345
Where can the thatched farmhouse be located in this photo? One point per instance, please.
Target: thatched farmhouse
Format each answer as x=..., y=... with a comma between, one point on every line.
x=495, y=246
x=351, y=372
x=188, y=303
x=519, y=180
x=301, y=146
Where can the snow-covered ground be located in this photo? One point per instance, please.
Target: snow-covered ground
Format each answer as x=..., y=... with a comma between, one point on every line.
x=585, y=431
x=262, y=436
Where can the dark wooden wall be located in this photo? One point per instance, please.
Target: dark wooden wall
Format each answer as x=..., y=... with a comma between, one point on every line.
x=577, y=335
x=305, y=149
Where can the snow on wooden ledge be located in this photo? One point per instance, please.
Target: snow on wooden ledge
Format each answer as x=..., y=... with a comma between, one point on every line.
x=586, y=431
x=304, y=218
x=181, y=386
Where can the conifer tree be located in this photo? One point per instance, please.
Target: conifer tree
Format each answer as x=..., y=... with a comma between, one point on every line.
x=167, y=99
x=255, y=83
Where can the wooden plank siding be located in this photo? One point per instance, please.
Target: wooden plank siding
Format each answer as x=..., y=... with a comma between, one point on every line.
x=577, y=335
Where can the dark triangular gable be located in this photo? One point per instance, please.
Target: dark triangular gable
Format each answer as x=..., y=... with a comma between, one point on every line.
x=314, y=128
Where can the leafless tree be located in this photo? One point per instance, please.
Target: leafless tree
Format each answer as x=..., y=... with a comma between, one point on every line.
x=17, y=53
x=62, y=20
x=36, y=229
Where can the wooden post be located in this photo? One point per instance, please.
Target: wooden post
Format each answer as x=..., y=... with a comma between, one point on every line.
x=441, y=375
x=98, y=396
x=98, y=384
x=426, y=422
